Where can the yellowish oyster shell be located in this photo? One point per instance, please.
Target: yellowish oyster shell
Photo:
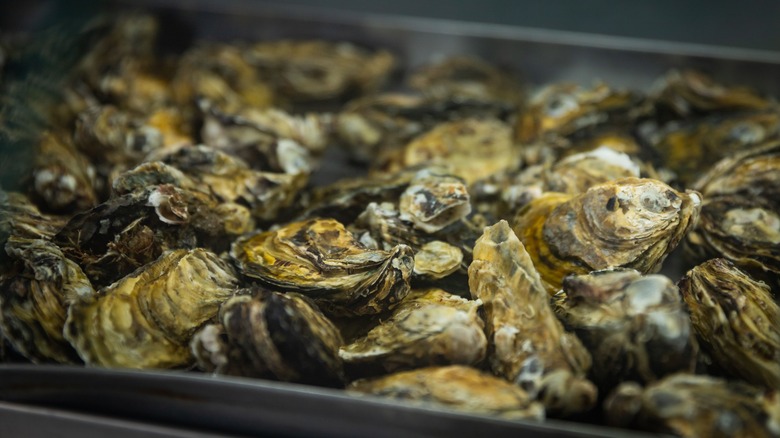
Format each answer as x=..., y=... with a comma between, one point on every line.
x=528, y=345
x=454, y=387
x=146, y=319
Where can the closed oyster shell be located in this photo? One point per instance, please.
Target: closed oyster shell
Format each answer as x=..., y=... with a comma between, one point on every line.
x=454, y=387
x=63, y=178
x=737, y=320
x=467, y=78
x=630, y=222
x=270, y=334
x=434, y=200
x=696, y=406
x=318, y=70
x=528, y=345
x=690, y=92
x=566, y=108
x=146, y=319
x=635, y=327
x=470, y=148
x=740, y=217
x=323, y=260
x=34, y=300
x=429, y=327
x=21, y=218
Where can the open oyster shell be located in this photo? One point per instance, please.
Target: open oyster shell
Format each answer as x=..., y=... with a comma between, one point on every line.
x=268, y=334
x=630, y=222
x=454, y=387
x=527, y=343
x=429, y=327
x=635, y=327
x=736, y=319
x=146, y=319
x=696, y=406
x=324, y=261
x=34, y=299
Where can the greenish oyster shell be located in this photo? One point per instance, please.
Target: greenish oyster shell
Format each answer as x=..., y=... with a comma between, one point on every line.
x=629, y=223
x=34, y=298
x=146, y=319
x=635, y=327
x=323, y=260
x=429, y=327
x=736, y=319
x=527, y=343
x=689, y=405
x=454, y=387
x=272, y=335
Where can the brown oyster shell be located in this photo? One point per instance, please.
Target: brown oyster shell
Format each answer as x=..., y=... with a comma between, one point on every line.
x=454, y=387
x=269, y=334
x=630, y=222
x=688, y=405
x=63, y=177
x=429, y=327
x=635, y=327
x=737, y=320
x=323, y=260
x=528, y=345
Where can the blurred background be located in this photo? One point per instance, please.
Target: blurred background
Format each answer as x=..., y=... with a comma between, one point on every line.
x=750, y=24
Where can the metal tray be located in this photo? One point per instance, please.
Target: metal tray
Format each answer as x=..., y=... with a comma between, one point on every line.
x=77, y=399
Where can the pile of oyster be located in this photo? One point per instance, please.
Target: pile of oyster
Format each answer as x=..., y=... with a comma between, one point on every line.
x=481, y=248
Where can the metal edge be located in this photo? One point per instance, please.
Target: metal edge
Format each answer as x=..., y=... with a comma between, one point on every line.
x=463, y=28
x=186, y=394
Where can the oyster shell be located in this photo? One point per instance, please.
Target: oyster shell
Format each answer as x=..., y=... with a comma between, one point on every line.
x=323, y=260
x=635, y=327
x=688, y=92
x=696, y=406
x=470, y=148
x=454, y=387
x=740, y=217
x=128, y=231
x=34, y=299
x=565, y=108
x=429, y=327
x=433, y=200
x=528, y=345
x=436, y=260
x=146, y=319
x=21, y=218
x=318, y=70
x=630, y=222
x=270, y=334
x=63, y=178
x=466, y=78
x=736, y=319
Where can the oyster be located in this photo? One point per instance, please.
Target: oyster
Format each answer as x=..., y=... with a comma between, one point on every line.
x=318, y=70
x=466, y=78
x=470, y=148
x=21, y=218
x=566, y=108
x=436, y=260
x=740, y=217
x=630, y=222
x=128, y=231
x=696, y=406
x=528, y=345
x=146, y=319
x=432, y=201
x=687, y=93
x=34, y=299
x=692, y=148
x=429, y=327
x=454, y=387
x=268, y=334
x=63, y=178
x=736, y=319
x=323, y=260
x=635, y=327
